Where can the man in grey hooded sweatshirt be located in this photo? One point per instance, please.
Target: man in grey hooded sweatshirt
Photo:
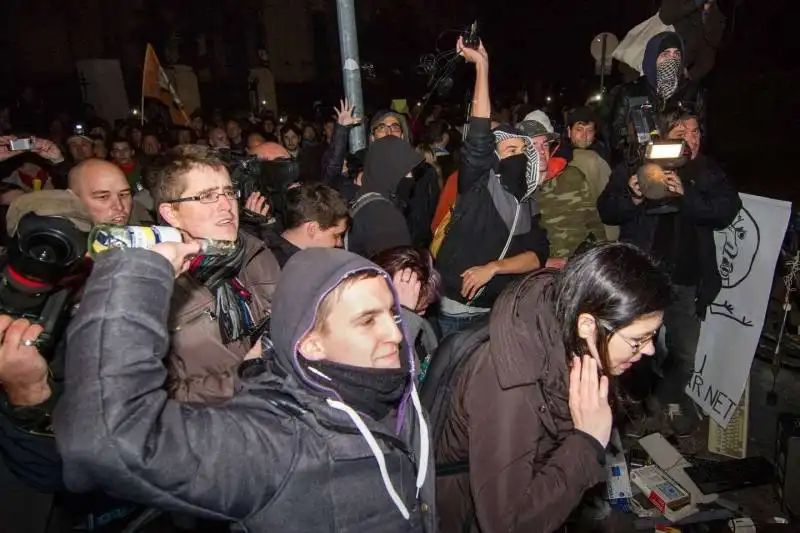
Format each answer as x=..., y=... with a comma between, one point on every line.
x=330, y=436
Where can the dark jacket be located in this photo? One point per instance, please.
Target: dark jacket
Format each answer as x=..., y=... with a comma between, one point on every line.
x=380, y=224
x=482, y=220
x=709, y=203
x=201, y=367
x=333, y=159
x=643, y=90
x=422, y=204
x=281, y=455
x=282, y=249
x=510, y=419
x=701, y=33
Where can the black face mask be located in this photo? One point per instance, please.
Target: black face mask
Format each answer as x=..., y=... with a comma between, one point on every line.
x=373, y=391
x=512, y=174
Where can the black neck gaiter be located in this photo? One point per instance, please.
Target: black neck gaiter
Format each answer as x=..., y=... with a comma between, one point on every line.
x=372, y=391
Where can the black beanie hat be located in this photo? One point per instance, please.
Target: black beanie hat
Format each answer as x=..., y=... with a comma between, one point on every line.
x=671, y=40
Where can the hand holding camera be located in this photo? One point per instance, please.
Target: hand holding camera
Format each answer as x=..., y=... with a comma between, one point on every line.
x=48, y=150
x=477, y=55
x=11, y=146
x=673, y=182
x=636, y=190
x=23, y=371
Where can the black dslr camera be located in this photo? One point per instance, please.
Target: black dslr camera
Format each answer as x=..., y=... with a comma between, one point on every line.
x=41, y=258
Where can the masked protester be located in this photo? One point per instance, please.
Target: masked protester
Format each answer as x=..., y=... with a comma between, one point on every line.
x=493, y=234
x=664, y=86
x=377, y=213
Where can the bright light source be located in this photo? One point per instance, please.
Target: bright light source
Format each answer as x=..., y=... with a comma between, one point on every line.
x=664, y=150
x=549, y=99
x=135, y=111
x=263, y=102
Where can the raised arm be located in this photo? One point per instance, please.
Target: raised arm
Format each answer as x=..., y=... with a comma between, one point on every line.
x=477, y=155
x=117, y=430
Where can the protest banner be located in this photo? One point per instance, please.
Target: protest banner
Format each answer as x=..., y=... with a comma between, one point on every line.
x=747, y=252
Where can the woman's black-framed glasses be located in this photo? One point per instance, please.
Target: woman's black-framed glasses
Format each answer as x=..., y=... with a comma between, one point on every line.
x=208, y=197
x=636, y=346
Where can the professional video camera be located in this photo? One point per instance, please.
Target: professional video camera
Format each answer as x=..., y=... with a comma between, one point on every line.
x=38, y=274
x=651, y=155
x=271, y=178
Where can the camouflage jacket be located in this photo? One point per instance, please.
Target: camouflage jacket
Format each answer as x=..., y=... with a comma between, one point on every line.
x=569, y=211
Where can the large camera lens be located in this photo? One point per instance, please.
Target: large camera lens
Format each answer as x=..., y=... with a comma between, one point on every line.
x=49, y=248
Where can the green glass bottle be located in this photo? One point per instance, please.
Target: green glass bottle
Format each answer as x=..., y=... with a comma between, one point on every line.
x=104, y=237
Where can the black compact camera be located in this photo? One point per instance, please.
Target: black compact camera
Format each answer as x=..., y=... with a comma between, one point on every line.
x=42, y=255
x=471, y=38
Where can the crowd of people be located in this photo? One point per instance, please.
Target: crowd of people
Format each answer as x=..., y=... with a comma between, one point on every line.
x=286, y=385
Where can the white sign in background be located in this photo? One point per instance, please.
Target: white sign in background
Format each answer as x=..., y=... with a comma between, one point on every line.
x=747, y=252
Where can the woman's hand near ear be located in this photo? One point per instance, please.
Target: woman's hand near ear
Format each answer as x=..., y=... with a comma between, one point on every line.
x=588, y=399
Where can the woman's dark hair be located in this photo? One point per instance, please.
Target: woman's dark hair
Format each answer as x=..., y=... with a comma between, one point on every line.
x=616, y=283
x=419, y=260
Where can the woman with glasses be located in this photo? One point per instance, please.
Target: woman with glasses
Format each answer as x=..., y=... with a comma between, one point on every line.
x=531, y=413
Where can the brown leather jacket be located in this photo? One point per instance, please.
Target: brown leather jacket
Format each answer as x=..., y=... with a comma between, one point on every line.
x=510, y=419
x=201, y=368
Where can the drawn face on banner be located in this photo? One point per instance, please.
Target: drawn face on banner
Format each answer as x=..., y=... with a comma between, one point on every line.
x=736, y=256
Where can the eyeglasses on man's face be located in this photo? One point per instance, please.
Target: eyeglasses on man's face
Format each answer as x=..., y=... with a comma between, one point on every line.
x=208, y=197
x=384, y=129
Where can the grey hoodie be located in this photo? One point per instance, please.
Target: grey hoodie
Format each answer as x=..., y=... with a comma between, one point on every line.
x=284, y=454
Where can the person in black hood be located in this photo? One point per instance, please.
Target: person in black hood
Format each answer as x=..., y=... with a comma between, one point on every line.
x=335, y=407
x=663, y=86
x=377, y=213
x=418, y=194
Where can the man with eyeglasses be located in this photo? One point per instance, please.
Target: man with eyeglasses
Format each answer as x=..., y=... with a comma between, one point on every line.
x=221, y=304
x=388, y=123
x=678, y=230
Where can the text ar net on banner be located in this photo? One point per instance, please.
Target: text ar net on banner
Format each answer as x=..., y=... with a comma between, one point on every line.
x=747, y=252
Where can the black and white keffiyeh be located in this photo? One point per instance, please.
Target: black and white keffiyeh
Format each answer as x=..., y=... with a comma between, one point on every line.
x=532, y=170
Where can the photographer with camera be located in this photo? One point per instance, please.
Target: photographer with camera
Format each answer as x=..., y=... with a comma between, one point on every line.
x=42, y=273
x=673, y=213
